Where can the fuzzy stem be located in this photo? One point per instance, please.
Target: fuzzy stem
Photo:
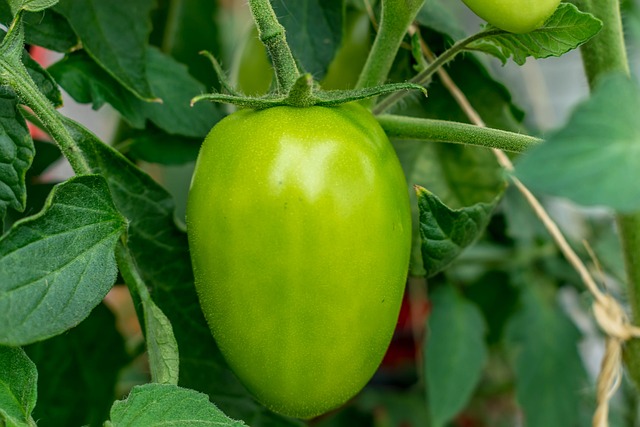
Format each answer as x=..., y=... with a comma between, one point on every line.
x=606, y=51
x=272, y=35
x=453, y=132
x=396, y=17
x=23, y=85
x=603, y=54
x=433, y=67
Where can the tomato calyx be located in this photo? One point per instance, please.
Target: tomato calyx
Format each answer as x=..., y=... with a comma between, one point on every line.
x=304, y=93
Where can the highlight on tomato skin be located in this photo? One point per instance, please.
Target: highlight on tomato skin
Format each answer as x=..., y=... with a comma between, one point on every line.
x=515, y=16
x=299, y=228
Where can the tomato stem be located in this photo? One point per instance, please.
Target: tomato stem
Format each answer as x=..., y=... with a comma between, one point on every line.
x=394, y=22
x=454, y=132
x=14, y=74
x=272, y=35
x=433, y=67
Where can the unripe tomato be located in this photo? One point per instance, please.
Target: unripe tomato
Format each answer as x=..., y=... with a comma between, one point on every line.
x=516, y=16
x=299, y=230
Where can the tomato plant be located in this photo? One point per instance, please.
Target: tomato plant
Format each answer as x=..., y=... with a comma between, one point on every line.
x=300, y=267
x=516, y=16
x=370, y=177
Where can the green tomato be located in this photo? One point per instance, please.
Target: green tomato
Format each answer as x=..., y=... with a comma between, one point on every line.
x=516, y=16
x=299, y=228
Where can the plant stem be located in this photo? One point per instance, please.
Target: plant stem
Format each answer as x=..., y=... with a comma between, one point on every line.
x=433, y=67
x=396, y=17
x=453, y=132
x=272, y=35
x=603, y=54
x=606, y=52
x=29, y=94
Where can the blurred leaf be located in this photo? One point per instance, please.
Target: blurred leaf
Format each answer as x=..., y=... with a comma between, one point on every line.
x=395, y=408
x=455, y=354
x=550, y=375
x=494, y=286
x=162, y=404
x=47, y=28
x=16, y=154
x=156, y=146
x=595, y=158
x=87, y=82
x=47, y=153
x=314, y=31
x=445, y=232
x=115, y=34
x=184, y=28
x=565, y=30
x=161, y=252
x=78, y=371
x=18, y=388
x=56, y=266
x=441, y=16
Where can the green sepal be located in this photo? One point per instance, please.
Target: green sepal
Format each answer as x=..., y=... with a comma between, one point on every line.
x=306, y=93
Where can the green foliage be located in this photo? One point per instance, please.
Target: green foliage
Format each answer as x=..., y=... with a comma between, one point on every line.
x=593, y=160
x=18, y=377
x=314, y=29
x=114, y=34
x=445, y=232
x=73, y=240
x=16, y=154
x=542, y=342
x=455, y=354
x=161, y=404
x=497, y=336
x=77, y=373
x=565, y=30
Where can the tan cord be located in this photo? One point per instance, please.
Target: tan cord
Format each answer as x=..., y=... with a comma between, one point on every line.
x=608, y=313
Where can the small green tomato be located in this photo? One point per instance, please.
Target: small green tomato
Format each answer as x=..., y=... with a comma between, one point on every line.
x=516, y=16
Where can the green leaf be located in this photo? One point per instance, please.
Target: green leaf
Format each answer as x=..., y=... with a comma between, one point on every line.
x=161, y=252
x=549, y=372
x=47, y=28
x=400, y=408
x=56, y=266
x=161, y=404
x=455, y=354
x=314, y=31
x=565, y=30
x=43, y=80
x=16, y=154
x=38, y=190
x=162, y=347
x=445, y=232
x=156, y=146
x=442, y=16
x=184, y=31
x=86, y=82
x=31, y=5
x=78, y=372
x=460, y=176
x=595, y=158
x=115, y=34
x=18, y=388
